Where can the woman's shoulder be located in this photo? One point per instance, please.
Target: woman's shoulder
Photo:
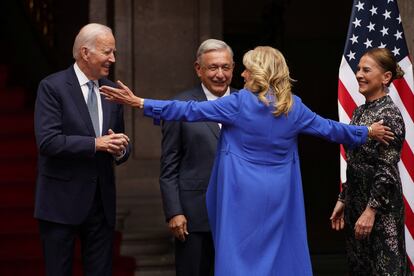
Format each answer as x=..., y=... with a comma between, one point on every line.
x=296, y=98
x=358, y=110
x=391, y=113
x=297, y=102
x=389, y=104
x=244, y=92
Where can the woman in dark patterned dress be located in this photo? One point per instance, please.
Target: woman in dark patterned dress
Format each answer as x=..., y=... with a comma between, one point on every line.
x=371, y=206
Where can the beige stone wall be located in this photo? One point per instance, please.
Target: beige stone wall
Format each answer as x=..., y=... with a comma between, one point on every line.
x=97, y=11
x=407, y=15
x=156, y=45
x=156, y=42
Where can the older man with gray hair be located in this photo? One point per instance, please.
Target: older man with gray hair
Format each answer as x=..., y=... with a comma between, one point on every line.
x=188, y=151
x=79, y=136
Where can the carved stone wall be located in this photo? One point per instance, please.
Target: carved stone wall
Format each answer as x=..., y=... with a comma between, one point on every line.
x=407, y=15
x=156, y=45
x=98, y=11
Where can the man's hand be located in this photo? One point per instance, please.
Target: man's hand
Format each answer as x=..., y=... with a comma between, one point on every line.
x=114, y=143
x=178, y=226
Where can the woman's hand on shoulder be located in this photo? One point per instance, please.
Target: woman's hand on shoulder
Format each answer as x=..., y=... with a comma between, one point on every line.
x=381, y=133
x=122, y=95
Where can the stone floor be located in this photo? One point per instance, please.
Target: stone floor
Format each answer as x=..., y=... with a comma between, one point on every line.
x=141, y=220
x=146, y=237
x=329, y=264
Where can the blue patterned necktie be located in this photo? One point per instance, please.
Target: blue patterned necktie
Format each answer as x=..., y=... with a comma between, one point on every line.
x=92, y=104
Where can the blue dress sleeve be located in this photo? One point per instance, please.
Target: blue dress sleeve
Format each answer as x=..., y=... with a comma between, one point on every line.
x=313, y=124
x=223, y=110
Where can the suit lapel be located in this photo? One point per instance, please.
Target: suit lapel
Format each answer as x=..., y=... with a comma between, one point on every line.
x=214, y=128
x=200, y=96
x=79, y=100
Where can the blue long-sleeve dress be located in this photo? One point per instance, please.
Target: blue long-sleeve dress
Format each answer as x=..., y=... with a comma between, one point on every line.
x=254, y=199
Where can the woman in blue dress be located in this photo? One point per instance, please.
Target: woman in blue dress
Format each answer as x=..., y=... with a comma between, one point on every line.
x=254, y=199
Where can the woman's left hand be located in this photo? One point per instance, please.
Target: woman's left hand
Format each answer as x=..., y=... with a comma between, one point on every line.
x=337, y=217
x=381, y=133
x=121, y=95
x=364, y=224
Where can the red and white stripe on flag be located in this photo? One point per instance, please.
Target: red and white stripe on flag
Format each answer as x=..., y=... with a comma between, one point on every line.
x=377, y=23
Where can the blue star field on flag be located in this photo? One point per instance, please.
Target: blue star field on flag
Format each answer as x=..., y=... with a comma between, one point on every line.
x=374, y=23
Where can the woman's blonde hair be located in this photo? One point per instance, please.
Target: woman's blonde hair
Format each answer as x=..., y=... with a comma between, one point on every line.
x=269, y=73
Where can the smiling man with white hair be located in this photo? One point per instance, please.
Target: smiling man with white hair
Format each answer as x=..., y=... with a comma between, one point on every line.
x=79, y=136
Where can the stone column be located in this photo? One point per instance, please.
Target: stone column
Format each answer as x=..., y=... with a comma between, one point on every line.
x=97, y=11
x=124, y=66
x=407, y=15
x=210, y=20
x=157, y=41
x=156, y=45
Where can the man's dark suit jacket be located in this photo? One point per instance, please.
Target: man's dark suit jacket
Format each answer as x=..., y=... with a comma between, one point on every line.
x=188, y=152
x=69, y=169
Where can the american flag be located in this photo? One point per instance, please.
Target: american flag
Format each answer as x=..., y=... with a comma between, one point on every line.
x=377, y=23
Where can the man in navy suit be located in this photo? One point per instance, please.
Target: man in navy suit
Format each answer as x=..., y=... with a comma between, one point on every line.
x=188, y=151
x=79, y=137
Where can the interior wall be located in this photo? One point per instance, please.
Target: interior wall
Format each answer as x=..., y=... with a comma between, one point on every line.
x=407, y=15
x=157, y=41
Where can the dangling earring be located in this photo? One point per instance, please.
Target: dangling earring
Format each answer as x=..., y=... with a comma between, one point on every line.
x=385, y=88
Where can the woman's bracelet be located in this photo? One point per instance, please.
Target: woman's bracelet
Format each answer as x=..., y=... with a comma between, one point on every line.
x=370, y=131
x=141, y=103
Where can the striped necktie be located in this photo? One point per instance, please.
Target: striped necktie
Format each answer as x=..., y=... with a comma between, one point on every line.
x=92, y=104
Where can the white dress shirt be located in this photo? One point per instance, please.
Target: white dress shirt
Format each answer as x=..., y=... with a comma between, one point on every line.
x=83, y=80
x=211, y=97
